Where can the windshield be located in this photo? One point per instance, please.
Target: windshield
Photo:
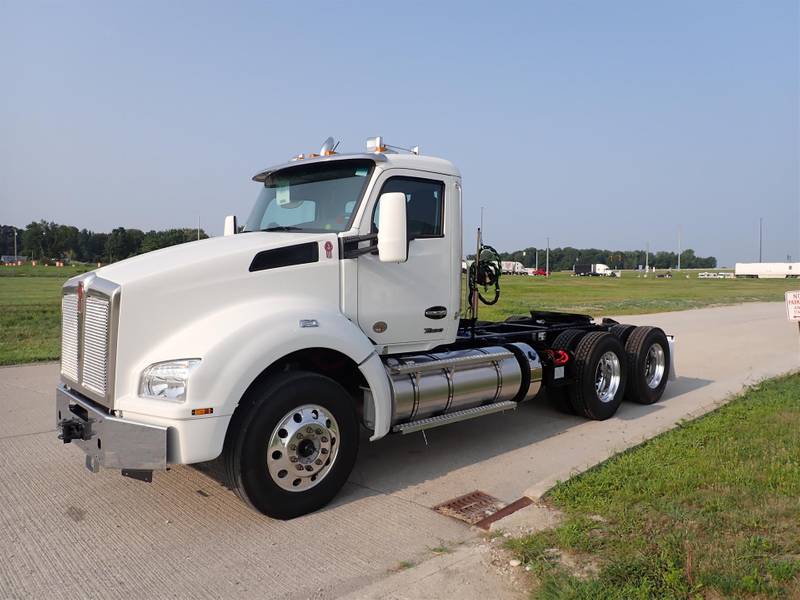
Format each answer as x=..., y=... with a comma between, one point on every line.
x=316, y=197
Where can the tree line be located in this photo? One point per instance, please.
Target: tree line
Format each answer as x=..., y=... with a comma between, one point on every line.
x=564, y=259
x=45, y=241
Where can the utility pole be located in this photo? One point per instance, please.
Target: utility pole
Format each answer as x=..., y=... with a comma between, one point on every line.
x=15, y=244
x=198, y=228
x=679, y=247
x=647, y=258
x=547, y=268
x=760, y=236
x=537, y=259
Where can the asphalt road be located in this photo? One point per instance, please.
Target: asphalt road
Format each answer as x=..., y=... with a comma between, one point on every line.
x=65, y=533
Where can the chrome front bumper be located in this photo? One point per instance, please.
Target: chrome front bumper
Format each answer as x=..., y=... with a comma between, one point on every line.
x=109, y=441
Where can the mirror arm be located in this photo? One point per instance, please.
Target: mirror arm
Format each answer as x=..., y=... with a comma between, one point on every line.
x=348, y=246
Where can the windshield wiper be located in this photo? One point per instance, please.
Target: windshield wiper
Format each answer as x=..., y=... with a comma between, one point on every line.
x=282, y=228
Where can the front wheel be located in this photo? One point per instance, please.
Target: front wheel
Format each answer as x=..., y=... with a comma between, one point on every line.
x=292, y=444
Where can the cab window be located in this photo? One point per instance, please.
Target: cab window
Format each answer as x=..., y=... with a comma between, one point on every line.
x=424, y=205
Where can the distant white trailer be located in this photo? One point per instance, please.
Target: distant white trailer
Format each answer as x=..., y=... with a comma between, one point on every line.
x=767, y=270
x=511, y=267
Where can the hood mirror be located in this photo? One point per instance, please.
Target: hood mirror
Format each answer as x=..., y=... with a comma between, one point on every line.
x=231, y=226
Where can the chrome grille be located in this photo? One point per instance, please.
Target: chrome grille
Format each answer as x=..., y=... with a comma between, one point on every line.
x=69, y=336
x=95, y=344
x=89, y=321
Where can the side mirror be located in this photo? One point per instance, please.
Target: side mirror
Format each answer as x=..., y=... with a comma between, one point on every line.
x=230, y=225
x=392, y=235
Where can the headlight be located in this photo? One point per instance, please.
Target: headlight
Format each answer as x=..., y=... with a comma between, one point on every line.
x=167, y=380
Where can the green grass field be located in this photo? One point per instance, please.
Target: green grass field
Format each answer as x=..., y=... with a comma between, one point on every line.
x=708, y=510
x=628, y=295
x=30, y=312
x=30, y=297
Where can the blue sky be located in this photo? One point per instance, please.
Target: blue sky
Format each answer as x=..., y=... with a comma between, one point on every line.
x=597, y=124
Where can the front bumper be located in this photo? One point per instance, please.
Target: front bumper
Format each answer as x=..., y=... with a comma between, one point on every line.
x=106, y=440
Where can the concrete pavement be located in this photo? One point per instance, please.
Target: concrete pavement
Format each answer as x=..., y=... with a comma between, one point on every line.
x=67, y=533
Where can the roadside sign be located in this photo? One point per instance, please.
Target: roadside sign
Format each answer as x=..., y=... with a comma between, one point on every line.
x=793, y=306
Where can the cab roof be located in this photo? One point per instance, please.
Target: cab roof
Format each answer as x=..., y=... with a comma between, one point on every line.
x=385, y=160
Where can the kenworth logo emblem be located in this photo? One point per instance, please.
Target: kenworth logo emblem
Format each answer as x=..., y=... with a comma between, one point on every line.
x=81, y=297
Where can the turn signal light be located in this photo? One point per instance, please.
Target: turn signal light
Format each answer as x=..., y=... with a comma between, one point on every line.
x=202, y=411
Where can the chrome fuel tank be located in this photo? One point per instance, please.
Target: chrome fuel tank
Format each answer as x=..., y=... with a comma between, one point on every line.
x=426, y=385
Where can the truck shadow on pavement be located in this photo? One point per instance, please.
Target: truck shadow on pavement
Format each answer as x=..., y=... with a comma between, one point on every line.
x=413, y=463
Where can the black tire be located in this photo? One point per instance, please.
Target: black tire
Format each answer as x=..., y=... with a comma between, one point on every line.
x=639, y=378
x=559, y=397
x=622, y=331
x=568, y=339
x=585, y=398
x=253, y=425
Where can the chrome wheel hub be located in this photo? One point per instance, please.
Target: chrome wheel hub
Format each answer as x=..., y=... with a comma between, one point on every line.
x=607, y=377
x=654, y=366
x=303, y=448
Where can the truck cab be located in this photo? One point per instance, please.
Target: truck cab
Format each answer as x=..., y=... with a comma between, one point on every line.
x=410, y=305
x=337, y=305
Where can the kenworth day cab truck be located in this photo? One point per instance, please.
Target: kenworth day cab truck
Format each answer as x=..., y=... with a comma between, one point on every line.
x=337, y=305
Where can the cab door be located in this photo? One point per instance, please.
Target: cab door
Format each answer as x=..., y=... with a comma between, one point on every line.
x=409, y=306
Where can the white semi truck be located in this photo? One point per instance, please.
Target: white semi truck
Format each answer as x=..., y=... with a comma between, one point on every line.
x=336, y=306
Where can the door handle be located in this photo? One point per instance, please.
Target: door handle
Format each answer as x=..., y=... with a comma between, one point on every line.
x=436, y=312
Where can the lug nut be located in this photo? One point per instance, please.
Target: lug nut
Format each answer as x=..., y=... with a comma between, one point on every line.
x=319, y=431
x=323, y=450
x=318, y=462
x=309, y=468
x=299, y=436
x=293, y=459
x=309, y=430
x=292, y=447
x=299, y=467
x=324, y=440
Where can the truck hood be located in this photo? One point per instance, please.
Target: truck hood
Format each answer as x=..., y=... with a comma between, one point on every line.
x=204, y=257
x=178, y=302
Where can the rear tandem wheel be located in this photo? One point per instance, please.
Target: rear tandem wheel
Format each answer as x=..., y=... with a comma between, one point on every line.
x=648, y=360
x=600, y=375
x=559, y=396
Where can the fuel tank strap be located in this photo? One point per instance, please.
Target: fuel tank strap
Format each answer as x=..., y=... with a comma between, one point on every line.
x=435, y=365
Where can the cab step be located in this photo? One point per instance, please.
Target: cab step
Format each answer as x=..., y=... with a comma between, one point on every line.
x=454, y=417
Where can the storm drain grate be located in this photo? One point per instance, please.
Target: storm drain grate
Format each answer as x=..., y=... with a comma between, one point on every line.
x=470, y=508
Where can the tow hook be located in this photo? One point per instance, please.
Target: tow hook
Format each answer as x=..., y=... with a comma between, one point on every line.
x=74, y=429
